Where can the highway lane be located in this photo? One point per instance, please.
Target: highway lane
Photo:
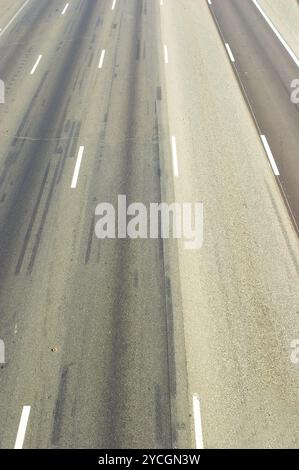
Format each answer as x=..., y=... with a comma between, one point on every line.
x=239, y=292
x=265, y=70
x=87, y=325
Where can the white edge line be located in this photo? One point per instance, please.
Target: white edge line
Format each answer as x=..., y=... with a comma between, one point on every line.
x=65, y=8
x=22, y=427
x=231, y=56
x=279, y=36
x=14, y=17
x=270, y=155
x=174, y=157
x=77, y=168
x=36, y=64
x=102, y=58
x=197, y=422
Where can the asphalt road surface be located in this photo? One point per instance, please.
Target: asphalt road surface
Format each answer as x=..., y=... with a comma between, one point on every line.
x=141, y=343
x=266, y=71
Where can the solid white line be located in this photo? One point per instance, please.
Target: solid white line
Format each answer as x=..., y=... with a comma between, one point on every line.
x=279, y=36
x=102, y=59
x=165, y=54
x=77, y=168
x=229, y=52
x=36, y=64
x=197, y=422
x=22, y=427
x=65, y=8
x=174, y=157
x=270, y=155
x=210, y=2
x=14, y=17
x=113, y=5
